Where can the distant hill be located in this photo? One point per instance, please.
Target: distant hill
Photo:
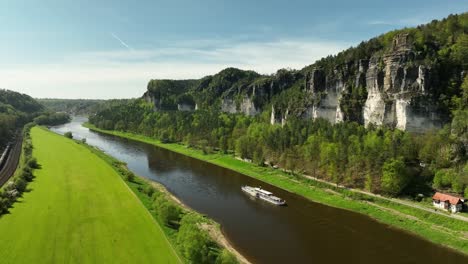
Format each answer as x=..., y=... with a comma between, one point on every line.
x=16, y=109
x=83, y=107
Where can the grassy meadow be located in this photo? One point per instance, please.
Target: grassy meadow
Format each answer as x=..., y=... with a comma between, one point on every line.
x=79, y=210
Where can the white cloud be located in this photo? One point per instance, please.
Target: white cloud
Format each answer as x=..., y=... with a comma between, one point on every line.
x=125, y=73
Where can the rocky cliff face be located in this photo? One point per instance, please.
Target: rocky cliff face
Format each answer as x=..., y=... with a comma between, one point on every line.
x=396, y=91
x=381, y=82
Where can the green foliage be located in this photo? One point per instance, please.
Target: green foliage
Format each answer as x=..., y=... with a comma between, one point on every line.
x=194, y=244
x=32, y=163
x=226, y=257
x=52, y=119
x=460, y=50
x=68, y=135
x=15, y=111
x=129, y=176
x=168, y=213
x=73, y=106
x=394, y=178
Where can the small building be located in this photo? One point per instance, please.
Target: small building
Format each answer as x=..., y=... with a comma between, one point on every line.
x=447, y=202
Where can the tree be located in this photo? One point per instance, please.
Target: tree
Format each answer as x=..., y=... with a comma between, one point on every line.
x=394, y=178
x=194, y=244
x=68, y=135
x=226, y=257
x=167, y=212
x=32, y=163
x=460, y=50
x=20, y=185
x=129, y=176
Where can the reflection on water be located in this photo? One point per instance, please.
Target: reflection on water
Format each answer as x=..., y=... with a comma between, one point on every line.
x=302, y=232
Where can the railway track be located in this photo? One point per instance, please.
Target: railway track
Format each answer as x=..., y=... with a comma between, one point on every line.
x=8, y=167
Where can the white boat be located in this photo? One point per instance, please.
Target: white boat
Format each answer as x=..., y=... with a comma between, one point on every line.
x=258, y=192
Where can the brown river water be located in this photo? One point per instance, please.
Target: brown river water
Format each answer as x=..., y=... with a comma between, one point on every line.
x=301, y=232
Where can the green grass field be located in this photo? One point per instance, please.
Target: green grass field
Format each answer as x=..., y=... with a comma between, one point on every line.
x=79, y=210
x=439, y=229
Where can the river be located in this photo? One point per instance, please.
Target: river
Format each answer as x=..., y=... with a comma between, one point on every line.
x=302, y=232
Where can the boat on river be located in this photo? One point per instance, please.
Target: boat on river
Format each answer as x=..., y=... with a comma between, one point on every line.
x=258, y=192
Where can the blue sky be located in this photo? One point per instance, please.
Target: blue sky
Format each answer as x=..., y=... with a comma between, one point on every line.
x=110, y=49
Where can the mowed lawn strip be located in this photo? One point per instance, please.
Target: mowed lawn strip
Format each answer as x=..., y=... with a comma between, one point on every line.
x=79, y=210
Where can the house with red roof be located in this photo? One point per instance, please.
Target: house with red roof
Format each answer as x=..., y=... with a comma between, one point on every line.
x=447, y=202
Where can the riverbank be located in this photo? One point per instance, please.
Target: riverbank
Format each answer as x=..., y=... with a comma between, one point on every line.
x=439, y=229
x=78, y=210
x=140, y=186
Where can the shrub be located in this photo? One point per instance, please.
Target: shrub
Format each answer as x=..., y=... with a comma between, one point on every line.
x=226, y=257
x=394, y=178
x=194, y=244
x=167, y=212
x=68, y=135
x=26, y=175
x=20, y=184
x=32, y=163
x=129, y=176
x=150, y=191
x=4, y=204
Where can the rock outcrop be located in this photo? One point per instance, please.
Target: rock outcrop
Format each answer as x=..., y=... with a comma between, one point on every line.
x=398, y=80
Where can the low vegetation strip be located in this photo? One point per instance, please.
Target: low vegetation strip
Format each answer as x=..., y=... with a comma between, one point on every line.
x=436, y=228
x=78, y=210
x=197, y=238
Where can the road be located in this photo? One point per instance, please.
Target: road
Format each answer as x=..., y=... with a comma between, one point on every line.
x=395, y=200
x=12, y=162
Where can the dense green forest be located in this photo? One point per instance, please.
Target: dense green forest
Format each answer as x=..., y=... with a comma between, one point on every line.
x=378, y=159
x=15, y=110
x=79, y=107
x=18, y=109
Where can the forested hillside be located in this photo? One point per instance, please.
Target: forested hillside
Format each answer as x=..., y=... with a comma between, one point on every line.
x=15, y=110
x=348, y=118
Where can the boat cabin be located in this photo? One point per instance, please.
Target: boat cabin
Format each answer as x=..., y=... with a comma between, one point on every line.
x=263, y=191
x=447, y=202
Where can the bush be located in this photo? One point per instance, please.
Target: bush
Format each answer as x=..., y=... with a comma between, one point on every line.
x=194, y=244
x=129, y=176
x=26, y=174
x=68, y=135
x=167, y=212
x=32, y=163
x=20, y=184
x=394, y=178
x=226, y=257
x=4, y=204
x=150, y=191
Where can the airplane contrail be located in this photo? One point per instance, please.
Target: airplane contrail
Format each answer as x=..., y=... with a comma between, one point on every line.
x=122, y=42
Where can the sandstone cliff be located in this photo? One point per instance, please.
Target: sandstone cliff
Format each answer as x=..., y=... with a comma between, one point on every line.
x=403, y=79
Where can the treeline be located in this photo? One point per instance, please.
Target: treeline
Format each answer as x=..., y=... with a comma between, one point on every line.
x=188, y=230
x=18, y=109
x=15, y=111
x=377, y=159
x=78, y=106
x=52, y=119
x=15, y=187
